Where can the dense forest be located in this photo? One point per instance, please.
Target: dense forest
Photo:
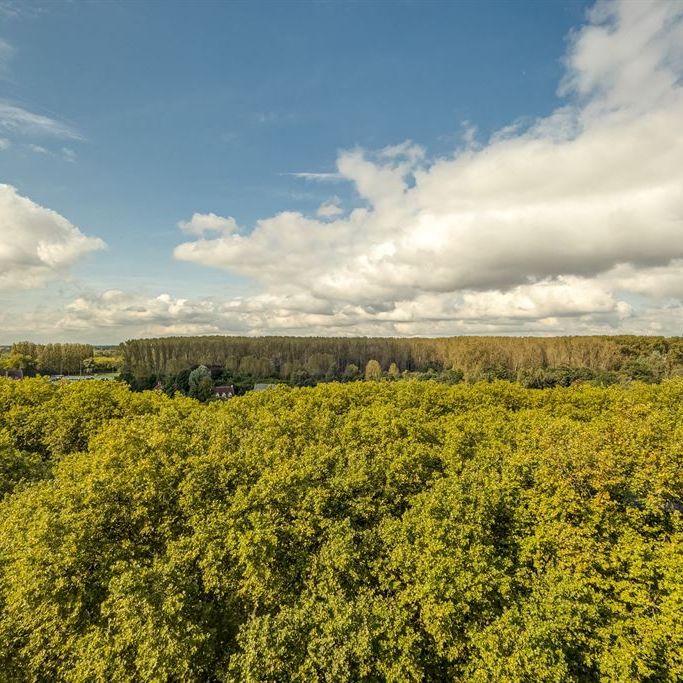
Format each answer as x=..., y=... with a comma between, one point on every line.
x=367, y=531
x=305, y=361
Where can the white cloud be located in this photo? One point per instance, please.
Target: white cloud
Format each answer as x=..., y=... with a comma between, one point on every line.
x=4, y=144
x=36, y=244
x=660, y=282
x=20, y=121
x=317, y=177
x=405, y=150
x=561, y=222
x=330, y=208
x=567, y=306
x=203, y=223
x=629, y=58
x=146, y=315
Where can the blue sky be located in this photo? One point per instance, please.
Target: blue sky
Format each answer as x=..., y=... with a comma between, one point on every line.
x=160, y=111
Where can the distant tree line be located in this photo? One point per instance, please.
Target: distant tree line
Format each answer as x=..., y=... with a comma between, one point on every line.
x=55, y=359
x=535, y=362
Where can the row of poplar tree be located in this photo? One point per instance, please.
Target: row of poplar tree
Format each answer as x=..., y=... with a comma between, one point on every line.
x=302, y=360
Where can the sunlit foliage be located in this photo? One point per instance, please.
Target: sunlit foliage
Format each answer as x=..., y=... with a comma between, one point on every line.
x=367, y=531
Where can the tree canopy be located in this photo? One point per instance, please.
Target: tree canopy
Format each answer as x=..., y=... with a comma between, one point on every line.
x=389, y=531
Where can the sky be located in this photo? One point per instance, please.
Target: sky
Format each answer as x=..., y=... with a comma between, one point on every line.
x=340, y=168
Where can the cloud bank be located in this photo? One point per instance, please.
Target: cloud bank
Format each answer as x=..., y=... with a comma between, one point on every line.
x=36, y=244
x=572, y=223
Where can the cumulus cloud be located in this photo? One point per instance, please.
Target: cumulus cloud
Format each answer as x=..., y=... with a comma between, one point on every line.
x=146, y=315
x=572, y=306
x=628, y=59
x=567, y=219
x=36, y=243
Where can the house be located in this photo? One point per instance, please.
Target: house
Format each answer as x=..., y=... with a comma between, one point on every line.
x=159, y=388
x=224, y=392
x=12, y=374
x=263, y=387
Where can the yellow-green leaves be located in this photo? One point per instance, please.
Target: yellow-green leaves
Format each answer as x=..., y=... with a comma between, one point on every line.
x=380, y=531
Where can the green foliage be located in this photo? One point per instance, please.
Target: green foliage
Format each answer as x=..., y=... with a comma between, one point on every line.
x=107, y=361
x=200, y=383
x=380, y=531
x=53, y=420
x=17, y=467
x=18, y=361
x=351, y=372
x=451, y=376
x=642, y=369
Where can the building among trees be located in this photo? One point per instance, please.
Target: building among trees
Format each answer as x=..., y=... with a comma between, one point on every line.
x=224, y=392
